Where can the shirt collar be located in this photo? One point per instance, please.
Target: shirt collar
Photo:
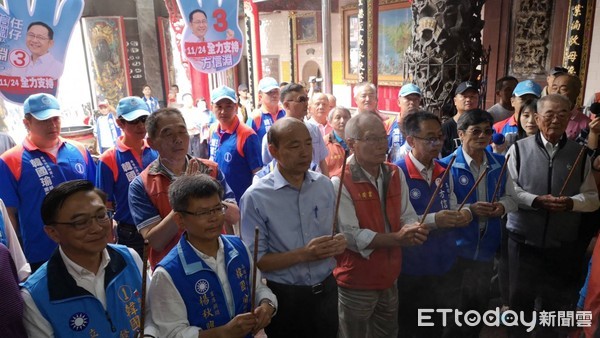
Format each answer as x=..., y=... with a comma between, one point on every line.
x=235, y=125
x=77, y=271
x=27, y=144
x=469, y=160
x=279, y=181
x=124, y=148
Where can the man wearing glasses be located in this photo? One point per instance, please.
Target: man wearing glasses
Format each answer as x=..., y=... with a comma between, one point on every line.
x=198, y=25
x=148, y=192
x=479, y=241
x=203, y=286
x=233, y=145
x=40, y=62
x=544, y=255
x=30, y=170
x=269, y=111
x=86, y=287
x=295, y=102
x=119, y=165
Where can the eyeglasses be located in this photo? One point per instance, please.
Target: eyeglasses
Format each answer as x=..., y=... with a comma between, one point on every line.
x=431, y=140
x=477, y=132
x=84, y=223
x=551, y=117
x=299, y=99
x=37, y=36
x=220, y=210
x=199, y=22
x=141, y=119
x=373, y=140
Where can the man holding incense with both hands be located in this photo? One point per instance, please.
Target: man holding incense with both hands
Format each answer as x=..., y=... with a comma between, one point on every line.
x=367, y=270
x=203, y=287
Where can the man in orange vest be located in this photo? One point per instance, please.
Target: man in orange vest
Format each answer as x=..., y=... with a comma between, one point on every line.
x=148, y=192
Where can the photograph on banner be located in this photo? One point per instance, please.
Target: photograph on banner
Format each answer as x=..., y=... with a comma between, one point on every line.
x=33, y=45
x=212, y=39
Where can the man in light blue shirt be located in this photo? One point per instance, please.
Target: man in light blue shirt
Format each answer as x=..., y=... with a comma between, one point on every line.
x=294, y=209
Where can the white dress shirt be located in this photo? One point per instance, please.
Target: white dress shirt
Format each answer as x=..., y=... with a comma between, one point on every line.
x=169, y=312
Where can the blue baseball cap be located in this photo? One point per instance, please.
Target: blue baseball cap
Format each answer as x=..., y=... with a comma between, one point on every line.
x=527, y=87
x=41, y=106
x=131, y=108
x=267, y=84
x=408, y=89
x=223, y=92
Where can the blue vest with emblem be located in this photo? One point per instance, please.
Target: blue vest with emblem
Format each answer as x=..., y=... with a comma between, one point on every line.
x=472, y=243
x=74, y=312
x=199, y=285
x=438, y=253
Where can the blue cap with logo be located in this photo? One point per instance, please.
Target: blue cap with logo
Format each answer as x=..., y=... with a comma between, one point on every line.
x=41, y=106
x=267, y=84
x=409, y=89
x=131, y=108
x=527, y=87
x=223, y=92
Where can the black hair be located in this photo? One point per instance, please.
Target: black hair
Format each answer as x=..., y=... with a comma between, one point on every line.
x=501, y=80
x=472, y=117
x=152, y=120
x=188, y=187
x=290, y=87
x=56, y=198
x=191, y=16
x=411, y=125
x=528, y=104
x=39, y=23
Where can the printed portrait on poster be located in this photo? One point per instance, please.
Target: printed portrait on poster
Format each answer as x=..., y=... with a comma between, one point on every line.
x=33, y=45
x=212, y=39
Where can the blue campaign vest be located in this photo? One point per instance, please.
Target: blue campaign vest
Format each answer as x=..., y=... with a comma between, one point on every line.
x=127, y=169
x=438, y=253
x=3, y=239
x=225, y=150
x=470, y=244
x=199, y=285
x=263, y=122
x=74, y=312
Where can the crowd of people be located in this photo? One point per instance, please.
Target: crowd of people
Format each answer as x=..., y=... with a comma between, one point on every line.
x=302, y=218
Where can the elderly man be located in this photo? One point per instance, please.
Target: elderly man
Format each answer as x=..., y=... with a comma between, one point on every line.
x=503, y=109
x=233, y=145
x=570, y=86
x=87, y=288
x=543, y=256
x=295, y=102
x=409, y=101
x=119, y=165
x=377, y=218
x=319, y=108
x=269, y=112
x=553, y=74
x=524, y=91
x=293, y=210
x=465, y=98
x=29, y=171
x=478, y=242
x=148, y=192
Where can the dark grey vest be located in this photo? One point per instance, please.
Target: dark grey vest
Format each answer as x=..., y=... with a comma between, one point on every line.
x=540, y=175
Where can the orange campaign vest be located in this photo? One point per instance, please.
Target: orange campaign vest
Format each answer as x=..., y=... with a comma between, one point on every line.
x=157, y=188
x=383, y=266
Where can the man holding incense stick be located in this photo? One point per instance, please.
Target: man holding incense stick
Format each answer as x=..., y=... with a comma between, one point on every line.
x=202, y=288
x=293, y=208
x=542, y=245
x=478, y=242
x=377, y=219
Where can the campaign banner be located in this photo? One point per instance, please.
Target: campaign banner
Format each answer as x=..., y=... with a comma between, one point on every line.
x=33, y=45
x=212, y=38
